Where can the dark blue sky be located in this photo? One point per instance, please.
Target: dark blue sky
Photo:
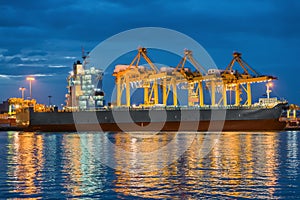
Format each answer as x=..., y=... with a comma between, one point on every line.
x=44, y=38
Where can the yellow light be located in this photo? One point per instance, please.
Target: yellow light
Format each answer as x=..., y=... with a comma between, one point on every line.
x=270, y=84
x=30, y=78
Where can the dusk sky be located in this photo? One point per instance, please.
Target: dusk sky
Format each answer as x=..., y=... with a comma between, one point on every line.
x=44, y=38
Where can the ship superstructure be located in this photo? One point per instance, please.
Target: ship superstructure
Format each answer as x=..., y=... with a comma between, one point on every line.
x=84, y=88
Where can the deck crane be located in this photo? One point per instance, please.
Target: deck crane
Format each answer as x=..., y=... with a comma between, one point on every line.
x=133, y=73
x=194, y=79
x=152, y=78
x=188, y=74
x=149, y=78
x=123, y=76
x=233, y=79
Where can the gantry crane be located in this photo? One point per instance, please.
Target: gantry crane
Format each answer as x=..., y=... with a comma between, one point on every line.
x=147, y=78
x=194, y=79
x=122, y=79
x=232, y=79
x=215, y=79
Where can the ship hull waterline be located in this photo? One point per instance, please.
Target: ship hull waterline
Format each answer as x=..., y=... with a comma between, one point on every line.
x=251, y=119
x=242, y=125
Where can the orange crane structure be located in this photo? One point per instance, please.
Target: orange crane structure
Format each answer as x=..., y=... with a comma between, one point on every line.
x=142, y=77
x=193, y=79
x=217, y=81
x=241, y=82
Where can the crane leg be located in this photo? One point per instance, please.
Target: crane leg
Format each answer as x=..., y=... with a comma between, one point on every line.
x=213, y=93
x=155, y=88
x=174, y=93
x=146, y=95
x=237, y=95
x=127, y=92
x=201, y=99
x=164, y=92
x=249, y=97
x=224, y=95
x=119, y=94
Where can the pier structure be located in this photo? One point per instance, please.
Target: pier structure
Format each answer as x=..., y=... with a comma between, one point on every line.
x=292, y=118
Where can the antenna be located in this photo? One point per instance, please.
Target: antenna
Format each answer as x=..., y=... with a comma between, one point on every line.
x=83, y=53
x=85, y=57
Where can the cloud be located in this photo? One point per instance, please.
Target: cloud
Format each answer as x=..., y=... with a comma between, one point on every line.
x=21, y=60
x=36, y=53
x=32, y=59
x=4, y=76
x=41, y=75
x=70, y=57
x=13, y=59
x=57, y=66
x=31, y=65
x=7, y=76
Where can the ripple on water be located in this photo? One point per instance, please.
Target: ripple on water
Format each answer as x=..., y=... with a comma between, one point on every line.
x=66, y=165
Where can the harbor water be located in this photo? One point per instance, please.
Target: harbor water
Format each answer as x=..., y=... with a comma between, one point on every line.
x=147, y=165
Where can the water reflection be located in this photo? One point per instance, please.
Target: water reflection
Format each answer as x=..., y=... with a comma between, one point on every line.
x=53, y=165
x=27, y=152
x=72, y=164
x=62, y=165
x=83, y=174
x=240, y=165
x=292, y=154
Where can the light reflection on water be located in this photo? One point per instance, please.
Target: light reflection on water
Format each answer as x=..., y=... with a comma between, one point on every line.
x=247, y=165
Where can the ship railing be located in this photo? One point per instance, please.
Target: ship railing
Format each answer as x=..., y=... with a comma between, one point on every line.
x=207, y=107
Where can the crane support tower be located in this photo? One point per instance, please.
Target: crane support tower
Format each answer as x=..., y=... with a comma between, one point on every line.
x=221, y=83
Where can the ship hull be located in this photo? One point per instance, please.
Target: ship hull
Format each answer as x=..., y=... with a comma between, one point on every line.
x=242, y=125
x=233, y=119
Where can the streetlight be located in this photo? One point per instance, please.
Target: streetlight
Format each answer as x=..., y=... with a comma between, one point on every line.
x=270, y=84
x=22, y=89
x=30, y=79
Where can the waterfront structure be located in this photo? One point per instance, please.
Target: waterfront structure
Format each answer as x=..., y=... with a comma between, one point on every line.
x=84, y=88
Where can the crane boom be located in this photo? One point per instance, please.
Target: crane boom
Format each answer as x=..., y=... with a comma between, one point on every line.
x=237, y=57
x=143, y=51
x=196, y=64
x=188, y=54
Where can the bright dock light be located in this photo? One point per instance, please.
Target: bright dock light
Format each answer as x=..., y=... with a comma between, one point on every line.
x=22, y=89
x=30, y=79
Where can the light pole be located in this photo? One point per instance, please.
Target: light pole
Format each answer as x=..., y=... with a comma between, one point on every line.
x=22, y=89
x=30, y=79
x=268, y=89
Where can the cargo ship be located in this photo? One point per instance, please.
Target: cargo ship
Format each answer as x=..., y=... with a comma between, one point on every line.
x=161, y=119
x=86, y=110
